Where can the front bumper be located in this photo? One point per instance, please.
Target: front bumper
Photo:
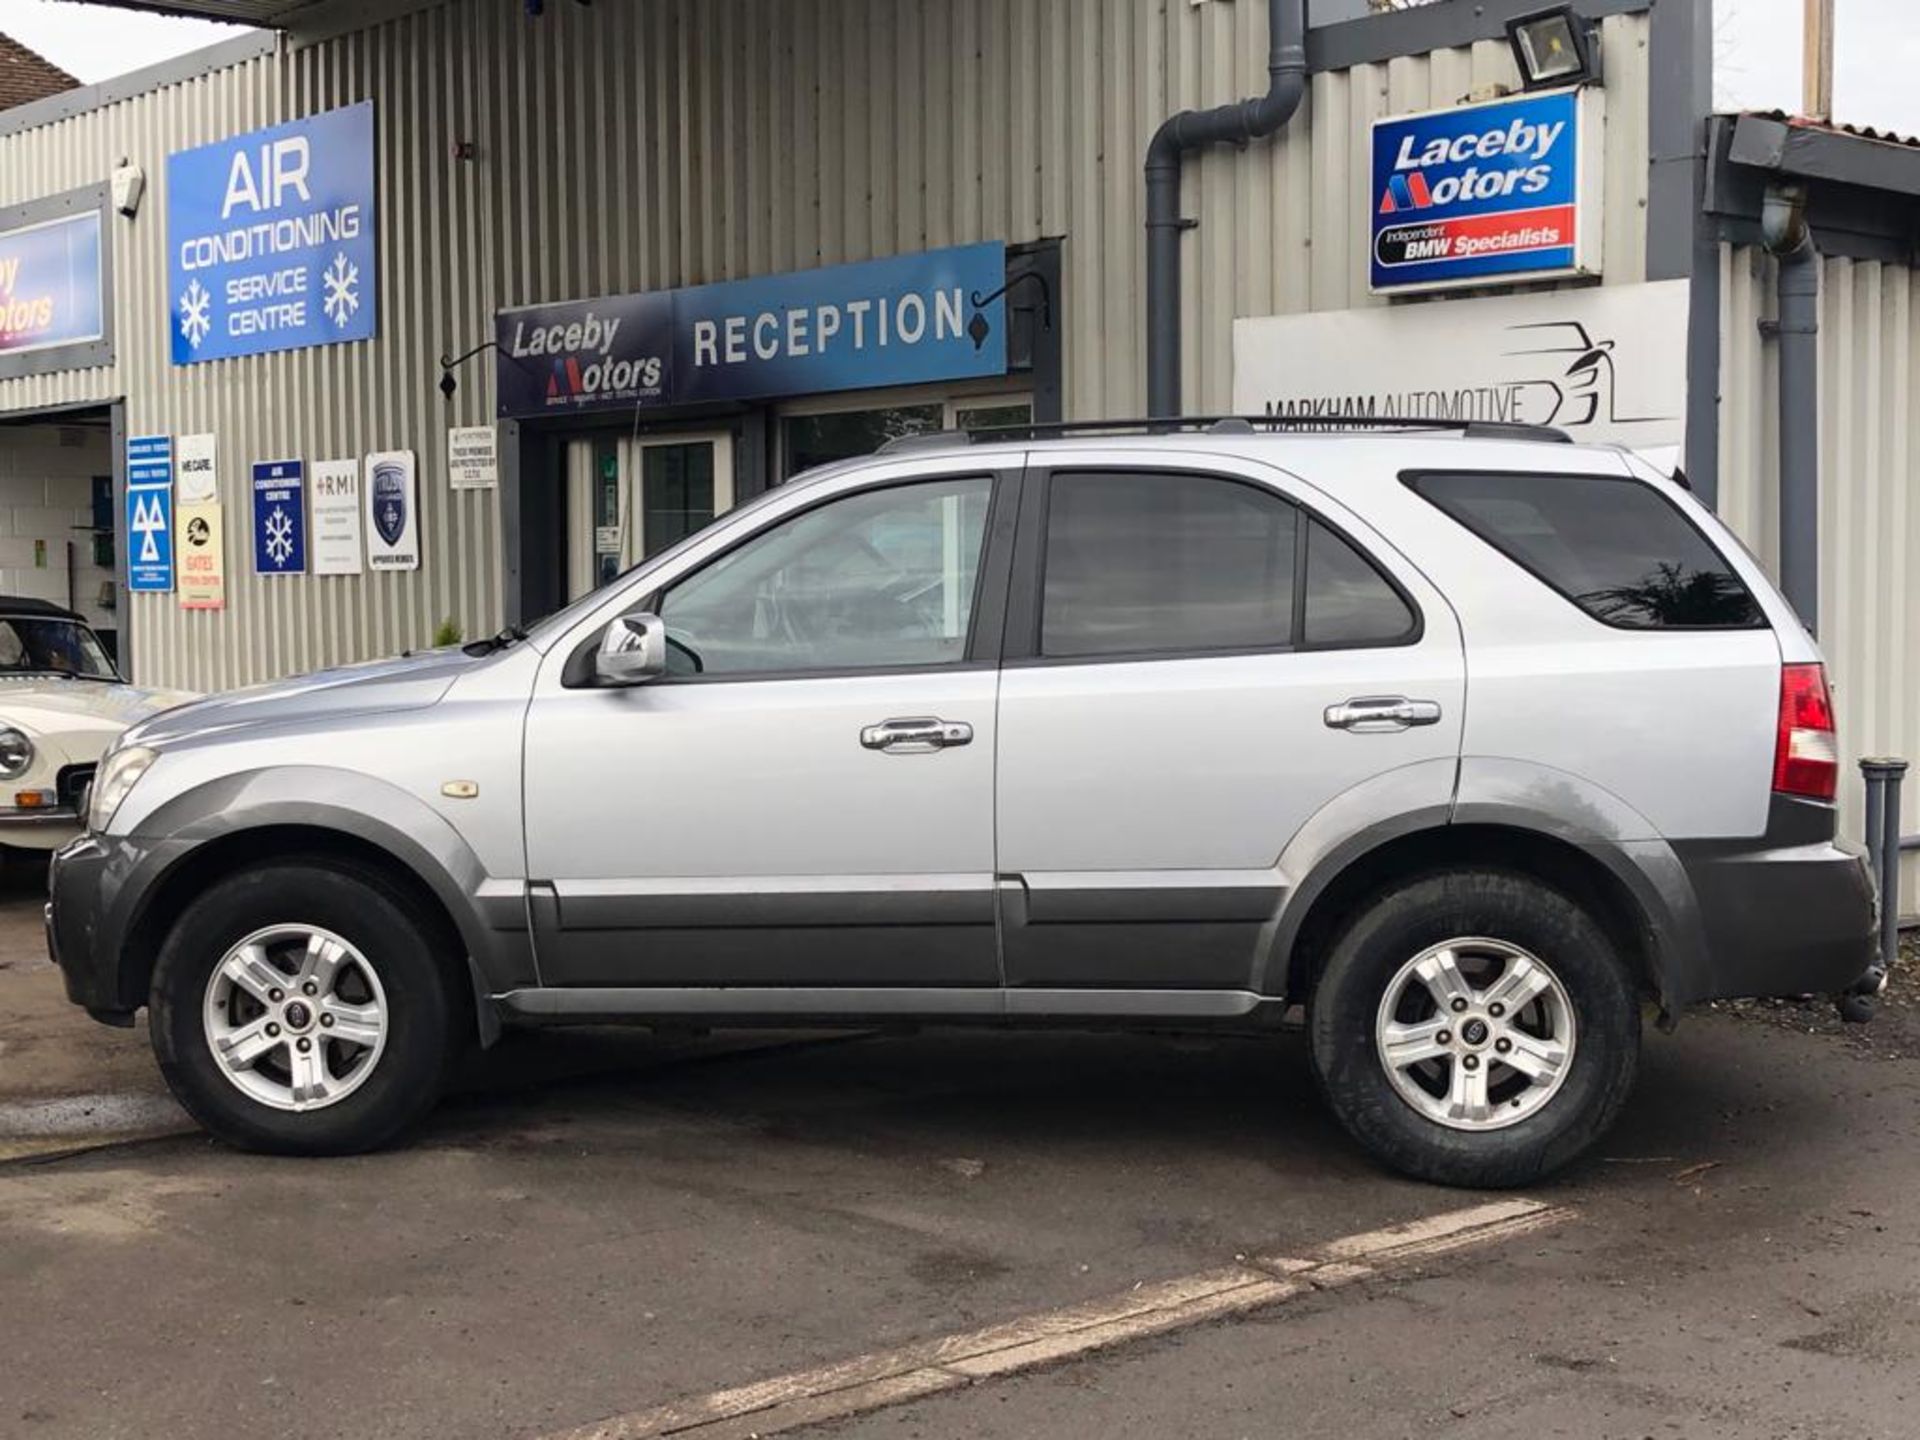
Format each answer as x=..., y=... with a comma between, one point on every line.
x=47, y=829
x=1791, y=913
x=95, y=887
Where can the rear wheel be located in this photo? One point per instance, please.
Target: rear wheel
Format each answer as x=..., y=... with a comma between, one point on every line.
x=302, y=1009
x=1475, y=1028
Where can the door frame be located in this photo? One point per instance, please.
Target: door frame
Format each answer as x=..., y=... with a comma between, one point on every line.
x=579, y=528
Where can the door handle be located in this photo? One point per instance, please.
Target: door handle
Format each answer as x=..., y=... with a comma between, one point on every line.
x=918, y=736
x=1381, y=714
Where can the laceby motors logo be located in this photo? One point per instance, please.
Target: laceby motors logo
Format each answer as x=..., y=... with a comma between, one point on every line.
x=1484, y=191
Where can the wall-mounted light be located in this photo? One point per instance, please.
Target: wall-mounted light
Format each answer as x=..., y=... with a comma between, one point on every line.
x=1554, y=47
x=129, y=184
x=450, y=363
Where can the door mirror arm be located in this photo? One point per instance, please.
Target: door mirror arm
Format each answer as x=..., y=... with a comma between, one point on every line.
x=632, y=651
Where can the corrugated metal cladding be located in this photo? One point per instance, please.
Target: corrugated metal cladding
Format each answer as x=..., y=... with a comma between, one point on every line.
x=1870, y=491
x=639, y=144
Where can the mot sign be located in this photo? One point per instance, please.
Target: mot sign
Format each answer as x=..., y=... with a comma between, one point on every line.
x=1488, y=193
x=270, y=239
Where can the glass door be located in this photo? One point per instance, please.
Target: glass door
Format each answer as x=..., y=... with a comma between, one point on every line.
x=629, y=497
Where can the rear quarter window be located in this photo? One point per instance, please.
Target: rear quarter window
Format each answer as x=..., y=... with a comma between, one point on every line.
x=1614, y=546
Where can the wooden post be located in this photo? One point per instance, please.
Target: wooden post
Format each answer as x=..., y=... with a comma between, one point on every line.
x=1816, y=100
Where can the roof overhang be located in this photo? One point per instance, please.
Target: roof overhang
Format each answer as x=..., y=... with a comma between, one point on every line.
x=276, y=14
x=1862, y=188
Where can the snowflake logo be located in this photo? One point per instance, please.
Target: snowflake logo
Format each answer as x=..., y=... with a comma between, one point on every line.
x=342, y=279
x=279, y=537
x=195, y=323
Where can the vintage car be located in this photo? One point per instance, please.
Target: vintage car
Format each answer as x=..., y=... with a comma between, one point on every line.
x=62, y=703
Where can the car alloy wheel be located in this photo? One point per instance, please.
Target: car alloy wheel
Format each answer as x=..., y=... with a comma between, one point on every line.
x=1475, y=1034
x=295, y=1017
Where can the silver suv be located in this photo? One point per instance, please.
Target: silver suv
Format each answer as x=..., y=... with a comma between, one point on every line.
x=1469, y=745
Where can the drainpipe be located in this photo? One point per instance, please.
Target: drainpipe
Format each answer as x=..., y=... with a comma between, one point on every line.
x=1784, y=224
x=1235, y=124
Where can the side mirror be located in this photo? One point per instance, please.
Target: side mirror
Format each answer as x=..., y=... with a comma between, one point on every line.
x=632, y=652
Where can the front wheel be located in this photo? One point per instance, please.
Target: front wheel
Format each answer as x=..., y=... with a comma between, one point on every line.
x=1475, y=1028
x=300, y=1008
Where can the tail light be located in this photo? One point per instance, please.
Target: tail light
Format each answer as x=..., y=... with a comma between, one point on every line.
x=1806, y=753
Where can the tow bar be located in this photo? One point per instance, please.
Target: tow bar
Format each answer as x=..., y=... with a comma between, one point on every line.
x=1883, y=777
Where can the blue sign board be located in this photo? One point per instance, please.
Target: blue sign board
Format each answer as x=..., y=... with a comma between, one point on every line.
x=903, y=320
x=150, y=512
x=1481, y=193
x=279, y=517
x=51, y=284
x=270, y=239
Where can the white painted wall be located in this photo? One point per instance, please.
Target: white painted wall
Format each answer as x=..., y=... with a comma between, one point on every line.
x=46, y=511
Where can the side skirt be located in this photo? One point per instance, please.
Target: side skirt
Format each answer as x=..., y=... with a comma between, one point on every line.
x=555, y=1005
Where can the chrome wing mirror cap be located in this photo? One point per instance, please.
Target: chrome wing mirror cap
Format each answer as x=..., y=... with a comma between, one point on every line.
x=632, y=652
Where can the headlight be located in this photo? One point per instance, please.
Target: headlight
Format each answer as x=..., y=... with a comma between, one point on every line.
x=16, y=753
x=119, y=773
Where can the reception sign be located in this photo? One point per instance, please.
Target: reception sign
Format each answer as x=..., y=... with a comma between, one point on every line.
x=904, y=320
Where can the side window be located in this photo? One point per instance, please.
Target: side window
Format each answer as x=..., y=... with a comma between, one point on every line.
x=1615, y=547
x=883, y=577
x=1349, y=602
x=1139, y=563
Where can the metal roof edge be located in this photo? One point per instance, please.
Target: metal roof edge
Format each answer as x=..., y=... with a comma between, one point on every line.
x=195, y=63
x=1807, y=150
x=1391, y=34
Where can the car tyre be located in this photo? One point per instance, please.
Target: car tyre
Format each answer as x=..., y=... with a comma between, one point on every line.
x=1404, y=1024
x=374, y=975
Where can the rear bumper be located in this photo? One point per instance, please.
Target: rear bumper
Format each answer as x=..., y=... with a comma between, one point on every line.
x=1789, y=913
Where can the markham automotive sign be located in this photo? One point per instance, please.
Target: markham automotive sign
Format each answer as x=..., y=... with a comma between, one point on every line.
x=1488, y=193
x=903, y=320
x=270, y=239
x=51, y=285
x=1606, y=363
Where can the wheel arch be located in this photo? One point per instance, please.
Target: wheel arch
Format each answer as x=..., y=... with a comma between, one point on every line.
x=1610, y=885
x=363, y=825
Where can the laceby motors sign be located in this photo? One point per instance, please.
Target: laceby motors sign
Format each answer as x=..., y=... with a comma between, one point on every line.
x=1487, y=193
x=50, y=284
x=270, y=239
x=901, y=320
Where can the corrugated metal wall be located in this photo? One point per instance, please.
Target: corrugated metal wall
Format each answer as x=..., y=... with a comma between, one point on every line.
x=638, y=144
x=1870, y=492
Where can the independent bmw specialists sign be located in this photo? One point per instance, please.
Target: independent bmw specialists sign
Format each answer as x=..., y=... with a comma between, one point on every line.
x=1488, y=193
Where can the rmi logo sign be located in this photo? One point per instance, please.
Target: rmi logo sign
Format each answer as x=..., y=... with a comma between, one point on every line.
x=1485, y=193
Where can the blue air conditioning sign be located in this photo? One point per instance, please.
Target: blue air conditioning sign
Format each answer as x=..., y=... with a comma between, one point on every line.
x=904, y=320
x=270, y=239
x=1488, y=193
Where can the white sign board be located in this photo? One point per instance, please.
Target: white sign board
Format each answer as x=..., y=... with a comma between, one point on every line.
x=1606, y=364
x=393, y=512
x=473, y=457
x=196, y=469
x=336, y=517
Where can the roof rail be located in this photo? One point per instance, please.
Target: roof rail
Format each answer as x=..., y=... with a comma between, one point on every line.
x=1222, y=425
